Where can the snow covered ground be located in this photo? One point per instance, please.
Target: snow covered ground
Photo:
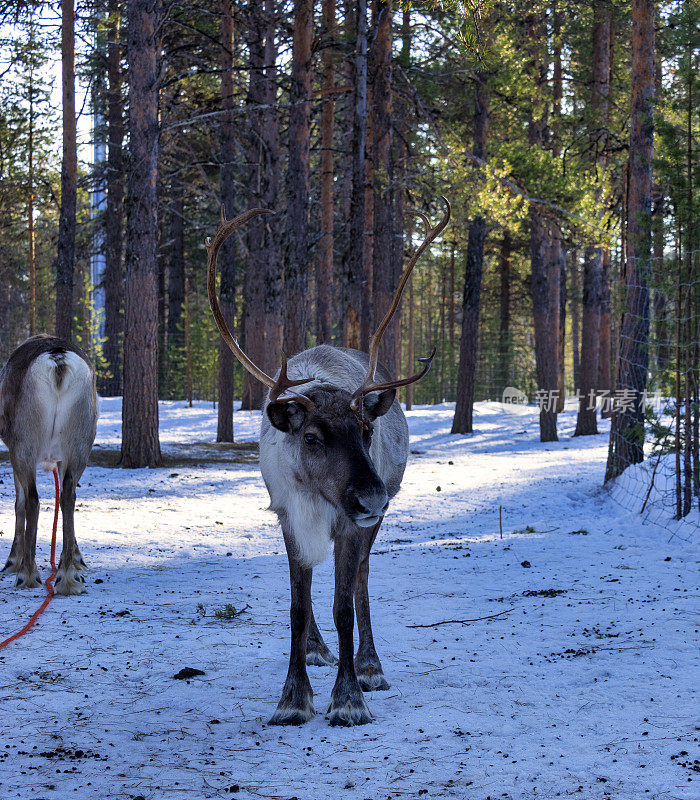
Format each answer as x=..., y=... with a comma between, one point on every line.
x=577, y=676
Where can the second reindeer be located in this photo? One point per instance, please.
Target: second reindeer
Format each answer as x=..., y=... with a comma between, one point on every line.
x=332, y=456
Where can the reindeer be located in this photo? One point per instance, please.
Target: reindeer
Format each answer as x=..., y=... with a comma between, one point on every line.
x=48, y=418
x=332, y=459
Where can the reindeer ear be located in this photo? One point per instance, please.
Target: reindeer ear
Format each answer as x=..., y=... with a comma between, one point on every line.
x=376, y=405
x=286, y=417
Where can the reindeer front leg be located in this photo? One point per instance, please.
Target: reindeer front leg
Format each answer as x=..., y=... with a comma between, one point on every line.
x=348, y=705
x=296, y=705
x=367, y=664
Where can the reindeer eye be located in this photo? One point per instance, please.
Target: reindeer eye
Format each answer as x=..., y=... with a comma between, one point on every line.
x=310, y=438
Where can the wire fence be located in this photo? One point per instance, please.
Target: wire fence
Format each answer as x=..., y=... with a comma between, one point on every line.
x=654, y=452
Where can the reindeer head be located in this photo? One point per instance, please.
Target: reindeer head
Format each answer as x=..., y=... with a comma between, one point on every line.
x=329, y=446
x=329, y=430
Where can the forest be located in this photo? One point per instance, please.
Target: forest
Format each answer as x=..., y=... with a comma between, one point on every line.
x=563, y=134
x=531, y=503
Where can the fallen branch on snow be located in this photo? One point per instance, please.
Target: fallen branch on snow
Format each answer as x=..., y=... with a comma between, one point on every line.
x=461, y=621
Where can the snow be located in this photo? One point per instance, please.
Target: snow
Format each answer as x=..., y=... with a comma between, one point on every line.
x=577, y=677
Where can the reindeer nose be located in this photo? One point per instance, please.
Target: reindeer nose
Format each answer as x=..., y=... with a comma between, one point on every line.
x=368, y=507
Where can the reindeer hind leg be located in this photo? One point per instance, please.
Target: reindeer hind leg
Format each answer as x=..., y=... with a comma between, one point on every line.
x=69, y=581
x=317, y=652
x=12, y=563
x=27, y=573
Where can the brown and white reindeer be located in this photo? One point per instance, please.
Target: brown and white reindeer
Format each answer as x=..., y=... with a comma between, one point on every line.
x=48, y=418
x=332, y=455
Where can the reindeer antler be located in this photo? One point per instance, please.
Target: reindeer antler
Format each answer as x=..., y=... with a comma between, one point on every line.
x=283, y=382
x=368, y=385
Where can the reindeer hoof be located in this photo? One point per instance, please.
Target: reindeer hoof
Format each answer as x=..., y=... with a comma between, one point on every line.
x=287, y=713
x=296, y=706
x=291, y=716
x=11, y=565
x=69, y=582
x=370, y=674
x=79, y=562
x=27, y=579
x=318, y=655
x=372, y=681
x=348, y=710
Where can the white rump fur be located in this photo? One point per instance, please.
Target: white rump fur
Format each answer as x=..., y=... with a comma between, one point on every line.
x=311, y=518
x=56, y=403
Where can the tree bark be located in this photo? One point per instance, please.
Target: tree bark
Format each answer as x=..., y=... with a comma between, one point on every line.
x=659, y=294
x=140, y=445
x=562, y=331
x=605, y=376
x=545, y=251
x=400, y=160
x=176, y=274
x=114, y=220
x=355, y=241
x=605, y=355
x=545, y=254
x=263, y=318
x=227, y=259
x=65, y=257
x=586, y=424
x=504, y=318
x=384, y=278
x=469, y=340
x=627, y=428
x=575, y=307
x=324, y=276
x=30, y=198
x=557, y=92
x=296, y=282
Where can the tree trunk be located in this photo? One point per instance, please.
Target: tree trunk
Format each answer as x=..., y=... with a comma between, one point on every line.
x=176, y=282
x=354, y=254
x=263, y=281
x=605, y=358
x=140, y=445
x=227, y=259
x=367, y=292
x=114, y=219
x=575, y=307
x=557, y=92
x=590, y=342
x=504, y=319
x=605, y=355
x=384, y=270
x=65, y=257
x=324, y=276
x=296, y=282
x=562, y=331
x=593, y=257
x=400, y=160
x=469, y=340
x=545, y=253
x=659, y=294
x=411, y=344
x=627, y=428
x=30, y=199
x=163, y=254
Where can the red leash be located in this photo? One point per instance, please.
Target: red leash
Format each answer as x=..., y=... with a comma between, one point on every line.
x=50, y=579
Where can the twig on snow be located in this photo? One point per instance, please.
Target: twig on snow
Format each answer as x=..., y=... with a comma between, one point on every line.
x=461, y=621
